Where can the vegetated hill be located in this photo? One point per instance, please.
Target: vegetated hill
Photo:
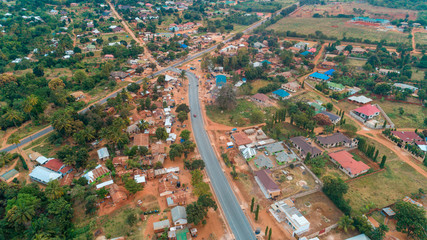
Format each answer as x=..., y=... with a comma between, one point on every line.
x=406, y=4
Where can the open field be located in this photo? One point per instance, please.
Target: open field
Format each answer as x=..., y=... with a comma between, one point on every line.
x=355, y=62
x=413, y=117
x=335, y=27
x=417, y=74
x=116, y=225
x=295, y=181
x=318, y=210
x=257, y=84
x=420, y=38
x=237, y=117
x=384, y=188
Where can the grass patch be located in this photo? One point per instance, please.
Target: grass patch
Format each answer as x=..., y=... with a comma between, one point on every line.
x=384, y=188
x=27, y=130
x=44, y=149
x=36, y=142
x=335, y=27
x=237, y=117
x=420, y=38
x=413, y=117
x=417, y=74
x=257, y=84
x=149, y=202
x=115, y=225
x=378, y=217
x=355, y=62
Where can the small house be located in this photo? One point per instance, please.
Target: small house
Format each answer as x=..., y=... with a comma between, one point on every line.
x=179, y=215
x=346, y=163
x=268, y=187
x=281, y=94
x=103, y=154
x=367, y=111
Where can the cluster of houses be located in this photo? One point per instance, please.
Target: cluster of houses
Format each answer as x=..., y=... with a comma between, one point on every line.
x=50, y=169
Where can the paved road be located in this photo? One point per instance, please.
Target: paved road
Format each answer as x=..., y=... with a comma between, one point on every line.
x=235, y=217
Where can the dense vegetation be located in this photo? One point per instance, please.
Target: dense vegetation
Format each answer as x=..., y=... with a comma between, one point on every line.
x=407, y=4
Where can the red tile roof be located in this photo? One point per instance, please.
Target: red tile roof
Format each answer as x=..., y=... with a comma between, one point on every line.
x=260, y=97
x=54, y=165
x=345, y=159
x=241, y=138
x=407, y=136
x=66, y=169
x=368, y=110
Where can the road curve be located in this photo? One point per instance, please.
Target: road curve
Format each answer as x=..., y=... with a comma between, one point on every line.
x=235, y=217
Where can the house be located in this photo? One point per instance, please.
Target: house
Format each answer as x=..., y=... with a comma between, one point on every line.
x=247, y=152
x=179, y=215
x=285, y=211
x=358, y=50
x=330, y=72
x=291, y=86
x=161, y=226
x=69, y=52
x=263, y=162
x=383, y=71
x=44, y=175
x=327, y=64
x=304, y=147
x=404, y=86
x=177, y=199
x=336, y=140
x=168, y=184
x=58, y=166
x=241, y=138
x=408, y=137
x=360, y=99
x=284, y=157
x=119, y=75
x=120, y=161
x=268, y=187
x=281, y=94
x=103, y=154
x=274, y=148
x=302, y=45
x=259, y=45
x=334, y=118
x=117, y=29
x=141, y=140
x=335, y=86
x=109, y=56
x=78, y=95
x=99, y=172
x=91, y=48
x=345, y=161
x=367, y=111
x=359, y=237
x=220, y=80
x=318, y=76
x=318, y=108
x=260, y=98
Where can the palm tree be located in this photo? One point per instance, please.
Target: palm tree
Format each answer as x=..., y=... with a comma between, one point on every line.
x=20, y=214
x=41, y=236
x=345, y=223
x=14, y=139
x=14, y=116
x=143, y=125
x=182, y=75
x=29, y=103
x=54, y=190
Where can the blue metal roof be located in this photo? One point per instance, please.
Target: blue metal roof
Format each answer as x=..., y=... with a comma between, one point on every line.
x=319, y=76
x=221, y=80
x=281, y=93
x=305, y=53
x=330, y=72
x=184, y=46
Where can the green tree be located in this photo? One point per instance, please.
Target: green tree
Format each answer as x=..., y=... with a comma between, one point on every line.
x=182, y=116
x=161, y=133
x=13, y=116
x=185, y=134
x=346, y=223
x=256, y=212
x=382, y=164
x=54, y=190
x=411, y=220
x=20, y=210
x=252, y=204
x=226, y=98
x=379, y=232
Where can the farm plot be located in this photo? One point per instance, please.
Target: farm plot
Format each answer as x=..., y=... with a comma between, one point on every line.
x=336, y=27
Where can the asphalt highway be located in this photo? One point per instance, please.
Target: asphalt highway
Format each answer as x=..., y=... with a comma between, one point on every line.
x=235, y=217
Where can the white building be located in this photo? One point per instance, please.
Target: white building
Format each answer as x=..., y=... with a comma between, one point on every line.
x=285, y=211
x=44, y=175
